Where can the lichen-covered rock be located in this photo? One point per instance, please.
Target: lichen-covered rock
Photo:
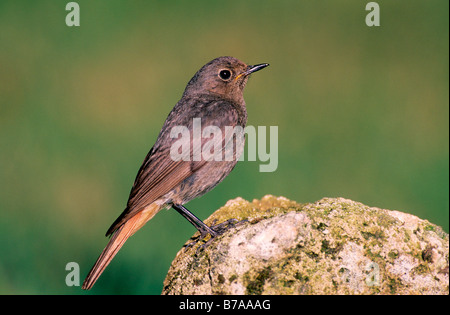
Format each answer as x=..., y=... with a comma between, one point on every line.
x=333, y=246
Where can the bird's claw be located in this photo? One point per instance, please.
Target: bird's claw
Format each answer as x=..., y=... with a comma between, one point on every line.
x=217, y=230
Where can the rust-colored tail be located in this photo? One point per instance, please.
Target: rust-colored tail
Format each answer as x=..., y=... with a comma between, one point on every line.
x=116, y=242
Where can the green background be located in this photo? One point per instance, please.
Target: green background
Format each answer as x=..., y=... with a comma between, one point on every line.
x=362, y=113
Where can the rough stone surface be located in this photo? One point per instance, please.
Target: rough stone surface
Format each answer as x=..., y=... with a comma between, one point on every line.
x=333, y=246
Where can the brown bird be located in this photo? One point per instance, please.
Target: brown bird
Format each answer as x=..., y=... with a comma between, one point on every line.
x=214, y=96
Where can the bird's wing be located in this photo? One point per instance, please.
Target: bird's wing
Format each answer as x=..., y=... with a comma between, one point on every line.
x=159, y=173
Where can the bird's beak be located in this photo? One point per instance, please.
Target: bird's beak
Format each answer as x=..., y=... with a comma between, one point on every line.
x=251, y=69
x=255, y=68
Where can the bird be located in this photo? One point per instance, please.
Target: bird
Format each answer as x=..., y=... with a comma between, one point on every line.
x=214, y=97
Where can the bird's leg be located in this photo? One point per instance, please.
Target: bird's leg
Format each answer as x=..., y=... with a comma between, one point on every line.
x=214, y=230
x=199, y=225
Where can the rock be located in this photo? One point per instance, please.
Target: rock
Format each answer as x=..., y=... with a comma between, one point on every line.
x=333, y=246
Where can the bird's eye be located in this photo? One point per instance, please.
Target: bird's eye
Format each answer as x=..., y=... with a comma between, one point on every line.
x=225, y=74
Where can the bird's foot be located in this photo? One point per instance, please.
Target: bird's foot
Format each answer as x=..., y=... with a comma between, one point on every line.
x=214, y=231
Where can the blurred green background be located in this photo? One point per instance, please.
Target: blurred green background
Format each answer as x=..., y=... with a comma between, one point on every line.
x=362, y=113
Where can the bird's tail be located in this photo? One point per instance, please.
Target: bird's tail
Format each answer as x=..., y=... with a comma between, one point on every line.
x=116, y=242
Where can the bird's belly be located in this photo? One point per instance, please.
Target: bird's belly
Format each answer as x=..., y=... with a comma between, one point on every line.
x=202, y=181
